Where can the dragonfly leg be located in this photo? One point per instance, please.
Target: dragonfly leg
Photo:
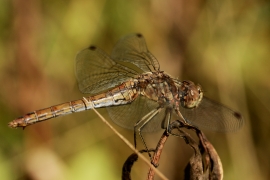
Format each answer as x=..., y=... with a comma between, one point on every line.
x=168, y=117
x=177, y=124
x=141, y=120
x=181, y=116
x=150, y=116
x=183, y=120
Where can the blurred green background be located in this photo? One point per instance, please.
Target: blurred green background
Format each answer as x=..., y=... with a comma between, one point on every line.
x=223, y=45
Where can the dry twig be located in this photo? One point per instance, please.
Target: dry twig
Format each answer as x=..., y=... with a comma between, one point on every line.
x=204, y=164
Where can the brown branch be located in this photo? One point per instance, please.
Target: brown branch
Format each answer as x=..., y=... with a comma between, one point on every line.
x=216, y=170
x=129, y=163
x=204, y=164
x=157, y=154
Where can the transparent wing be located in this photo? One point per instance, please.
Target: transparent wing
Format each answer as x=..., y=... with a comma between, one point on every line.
x=213, y=116
x=127, y=115
x=132, y=49
x=97, y=72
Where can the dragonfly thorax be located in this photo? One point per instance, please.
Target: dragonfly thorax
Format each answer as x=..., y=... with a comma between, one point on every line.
x=158, y=86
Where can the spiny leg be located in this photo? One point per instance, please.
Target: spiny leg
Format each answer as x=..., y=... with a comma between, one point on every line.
x=177, y=124
x=141, y=120
x=181, y=116
x=156, y=111
x=168, y=117
x=183, y=120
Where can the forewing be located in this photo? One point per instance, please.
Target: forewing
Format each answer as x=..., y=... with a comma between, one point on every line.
x=132, y=49
x=127, y=115
x=213, y=116
x=97, y=72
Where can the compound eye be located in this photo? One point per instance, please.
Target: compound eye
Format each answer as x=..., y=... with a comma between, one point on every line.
x=192, y=96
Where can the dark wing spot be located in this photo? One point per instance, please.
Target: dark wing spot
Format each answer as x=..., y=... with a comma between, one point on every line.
x=237, y=115
x=92, y=47
x=139, y=35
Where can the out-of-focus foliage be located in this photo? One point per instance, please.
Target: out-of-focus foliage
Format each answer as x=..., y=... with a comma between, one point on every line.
x=223, y=45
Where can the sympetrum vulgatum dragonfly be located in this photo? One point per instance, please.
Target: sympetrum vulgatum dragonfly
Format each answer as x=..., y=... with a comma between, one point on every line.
x=136, y=93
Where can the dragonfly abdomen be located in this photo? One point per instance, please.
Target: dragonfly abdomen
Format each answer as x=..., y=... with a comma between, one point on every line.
x=48, y=113
x=123, y=94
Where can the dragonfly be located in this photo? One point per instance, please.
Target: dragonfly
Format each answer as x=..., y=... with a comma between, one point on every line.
x=136, y=93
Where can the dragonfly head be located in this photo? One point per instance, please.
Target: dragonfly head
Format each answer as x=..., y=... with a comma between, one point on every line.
x=190, y=94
